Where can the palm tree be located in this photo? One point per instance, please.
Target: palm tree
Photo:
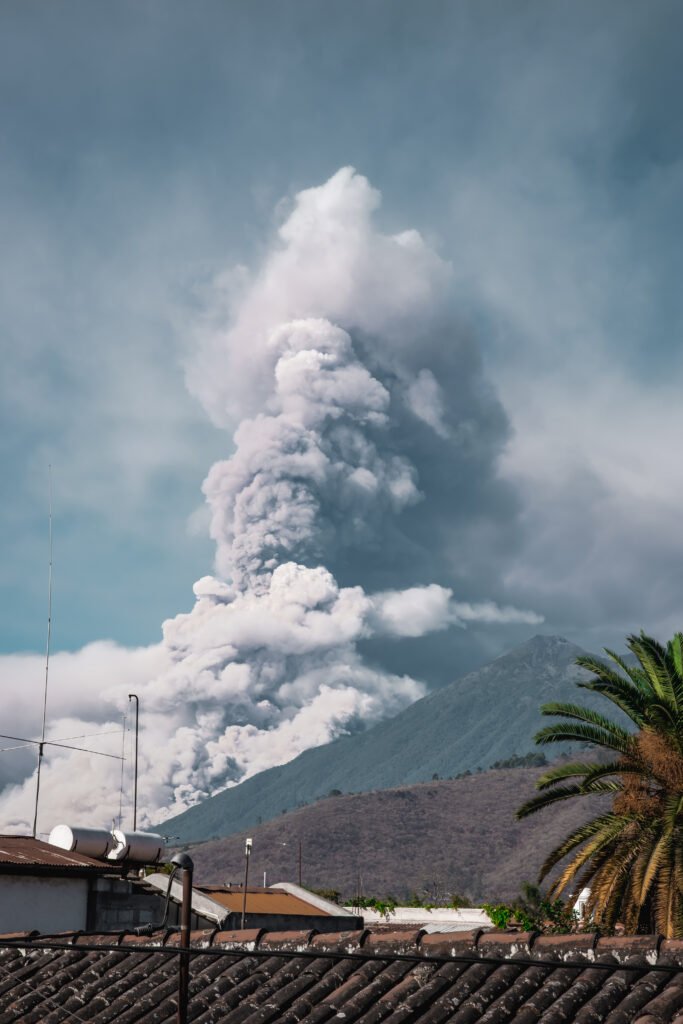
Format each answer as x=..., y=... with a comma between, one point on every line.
x=631, y=856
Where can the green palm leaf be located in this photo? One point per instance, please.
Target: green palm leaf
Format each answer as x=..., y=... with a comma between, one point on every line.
x=652, y=656
x=591, y=772
x=621, y=742
x=675, y=652
x=630, y=696
x=537, y=803
x=570, y=771
x=604, y=825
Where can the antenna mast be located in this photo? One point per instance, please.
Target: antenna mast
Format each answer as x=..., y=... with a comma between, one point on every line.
x=47, y=656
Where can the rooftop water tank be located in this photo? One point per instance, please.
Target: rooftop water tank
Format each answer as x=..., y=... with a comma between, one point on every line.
x=142, y=847
x=93, y=842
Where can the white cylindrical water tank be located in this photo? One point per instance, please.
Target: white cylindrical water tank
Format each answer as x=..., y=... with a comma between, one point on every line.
x=93, y=842
x=141, y=847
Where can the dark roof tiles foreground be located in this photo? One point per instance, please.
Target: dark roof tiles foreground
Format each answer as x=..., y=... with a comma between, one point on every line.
x=257, y=977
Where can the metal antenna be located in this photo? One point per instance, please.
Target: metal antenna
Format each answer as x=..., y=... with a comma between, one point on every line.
x=123, y=759
x=47, y=656
x=134, y=696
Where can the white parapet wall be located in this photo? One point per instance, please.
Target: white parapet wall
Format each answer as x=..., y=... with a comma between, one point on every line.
x=440, y=919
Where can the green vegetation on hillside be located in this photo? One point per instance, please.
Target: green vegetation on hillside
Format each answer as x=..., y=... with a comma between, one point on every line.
x=533, y=759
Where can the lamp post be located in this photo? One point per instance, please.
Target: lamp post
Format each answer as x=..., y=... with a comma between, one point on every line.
x=247, y=854
x=134, y=696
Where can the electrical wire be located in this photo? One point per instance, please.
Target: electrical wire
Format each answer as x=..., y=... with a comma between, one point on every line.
x=64, y=746
x=123, y=760
x=82, y=736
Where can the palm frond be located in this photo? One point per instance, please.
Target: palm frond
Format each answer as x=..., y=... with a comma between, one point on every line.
x=582, y=714
x=658, y=853
x=635, y=673
x=628, y=696
x=553, y=796
x=604, y=838
x=620, y=742
x=652, y=656
x=602, y=771
x=591, y=772
x=675, y=652
x=569, y=771
x=610, y=880
x=604, y=826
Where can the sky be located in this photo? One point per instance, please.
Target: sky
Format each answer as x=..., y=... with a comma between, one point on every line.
x=500, y=288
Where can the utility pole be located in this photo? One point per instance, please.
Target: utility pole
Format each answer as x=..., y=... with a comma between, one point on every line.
x=41, y=745
x=247, y=854
x=134, y=696
x=300, y=859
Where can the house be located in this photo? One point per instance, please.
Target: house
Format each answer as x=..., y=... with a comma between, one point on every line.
x=308, y=978
x=46, y=888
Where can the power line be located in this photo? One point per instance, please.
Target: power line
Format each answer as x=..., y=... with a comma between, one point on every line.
x=83, y=736
x=53, y=743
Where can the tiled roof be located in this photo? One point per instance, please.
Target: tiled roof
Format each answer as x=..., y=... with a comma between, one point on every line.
x=254, y=977
x=28, y=854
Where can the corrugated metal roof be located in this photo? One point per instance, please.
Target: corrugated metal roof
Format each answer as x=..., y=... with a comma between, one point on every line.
x=261, y=901
x=25, y=852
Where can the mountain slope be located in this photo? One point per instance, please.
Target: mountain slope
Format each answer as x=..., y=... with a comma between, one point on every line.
x=437, y=837
x=486, y=716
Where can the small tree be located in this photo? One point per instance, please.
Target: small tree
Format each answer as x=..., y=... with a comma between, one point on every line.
x=631, y=856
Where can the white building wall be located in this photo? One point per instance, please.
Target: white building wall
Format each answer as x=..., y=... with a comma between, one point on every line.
x=437, y=920
x=45, y=904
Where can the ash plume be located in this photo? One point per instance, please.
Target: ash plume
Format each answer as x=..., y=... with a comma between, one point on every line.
x=349, y=394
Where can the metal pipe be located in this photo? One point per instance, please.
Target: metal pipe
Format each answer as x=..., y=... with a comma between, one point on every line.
x=181, y=860
x=134, y=696
x=247, y=853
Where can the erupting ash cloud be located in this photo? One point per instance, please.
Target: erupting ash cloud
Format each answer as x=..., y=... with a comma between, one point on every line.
x=329, y=373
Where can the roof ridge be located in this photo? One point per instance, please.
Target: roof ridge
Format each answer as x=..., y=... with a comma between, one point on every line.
x=587, y=948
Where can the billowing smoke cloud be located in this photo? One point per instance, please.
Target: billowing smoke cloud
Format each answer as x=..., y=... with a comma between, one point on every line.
x=331, y=373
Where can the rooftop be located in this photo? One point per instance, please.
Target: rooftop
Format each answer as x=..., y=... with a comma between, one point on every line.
x=281, y=906
x=23, y=854
x=307, y=978
x=273, y=900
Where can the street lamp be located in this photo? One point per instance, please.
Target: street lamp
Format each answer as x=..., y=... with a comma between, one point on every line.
x=247, y=853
